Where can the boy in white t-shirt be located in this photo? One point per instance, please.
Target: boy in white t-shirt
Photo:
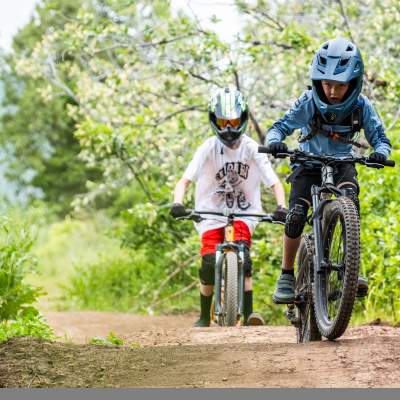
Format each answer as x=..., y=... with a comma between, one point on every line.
x=228, y=171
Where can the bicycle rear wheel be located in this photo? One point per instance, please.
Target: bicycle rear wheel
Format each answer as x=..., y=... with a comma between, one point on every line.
x=335, y=286
x=231, y=288
x=307, y=329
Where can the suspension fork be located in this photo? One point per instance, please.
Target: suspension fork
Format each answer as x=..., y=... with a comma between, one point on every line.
x=219, y=259
x=317, y=230
x=241, y=278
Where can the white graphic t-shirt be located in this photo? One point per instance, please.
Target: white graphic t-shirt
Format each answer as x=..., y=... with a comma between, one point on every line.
x=229, y=178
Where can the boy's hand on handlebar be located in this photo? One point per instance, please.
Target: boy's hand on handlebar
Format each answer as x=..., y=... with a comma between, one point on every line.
x=178, y=210
x=377, y=157
x=280, y=214
x=277, y=147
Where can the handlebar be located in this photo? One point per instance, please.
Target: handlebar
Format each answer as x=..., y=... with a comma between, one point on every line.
x=302, y=157
x=198, y=216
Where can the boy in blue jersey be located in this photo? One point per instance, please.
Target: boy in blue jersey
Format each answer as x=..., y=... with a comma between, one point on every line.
x=329, y=115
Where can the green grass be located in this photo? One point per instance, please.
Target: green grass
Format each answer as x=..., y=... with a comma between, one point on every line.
x=63, y=245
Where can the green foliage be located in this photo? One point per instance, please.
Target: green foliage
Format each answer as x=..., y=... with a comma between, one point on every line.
x=37, y=132
x=110, y=340
x=62, y=245
x=16, y=296
x=380, y=234
x=27, y=325
x=134, y=282
x=18, y=317
x=266, y=254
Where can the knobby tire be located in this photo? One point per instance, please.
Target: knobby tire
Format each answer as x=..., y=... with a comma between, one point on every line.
x=231, y=289
x=340, y=212
x=307, y=330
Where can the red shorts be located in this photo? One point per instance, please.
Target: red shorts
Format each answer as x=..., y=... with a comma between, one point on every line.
x=211, y=238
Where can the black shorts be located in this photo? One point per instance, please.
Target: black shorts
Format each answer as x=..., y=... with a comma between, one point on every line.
x=301, y=184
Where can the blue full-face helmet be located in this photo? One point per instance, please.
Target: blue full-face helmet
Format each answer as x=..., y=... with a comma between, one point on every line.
x=337, y=60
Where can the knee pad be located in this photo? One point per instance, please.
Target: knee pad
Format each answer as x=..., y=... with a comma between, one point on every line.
x=295, y=220
x=207, y=270
x=351, y=192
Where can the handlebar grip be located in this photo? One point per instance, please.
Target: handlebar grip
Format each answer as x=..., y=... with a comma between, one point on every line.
x=389, y=163
x=264, y=149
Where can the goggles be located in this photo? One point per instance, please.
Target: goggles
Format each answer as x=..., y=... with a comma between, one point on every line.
x=223, y=123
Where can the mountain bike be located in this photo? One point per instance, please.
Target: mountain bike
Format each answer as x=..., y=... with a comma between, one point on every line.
x=229, y=261
x=328, y=259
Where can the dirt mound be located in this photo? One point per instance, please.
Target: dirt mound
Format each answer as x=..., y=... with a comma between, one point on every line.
x=171, y=354
x=370, y=362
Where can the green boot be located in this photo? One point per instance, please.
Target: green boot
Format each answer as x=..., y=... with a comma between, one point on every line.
x=205, y=307
x=201, y=323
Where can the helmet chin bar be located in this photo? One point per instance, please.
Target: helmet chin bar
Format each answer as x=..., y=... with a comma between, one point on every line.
x=229, y=136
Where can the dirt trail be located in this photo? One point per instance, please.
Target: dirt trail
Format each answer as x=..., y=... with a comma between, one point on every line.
x=166, y=352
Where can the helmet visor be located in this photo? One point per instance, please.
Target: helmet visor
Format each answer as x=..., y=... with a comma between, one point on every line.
x=223, y=123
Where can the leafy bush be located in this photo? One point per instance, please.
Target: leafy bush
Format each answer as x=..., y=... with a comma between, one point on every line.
x=131, y=282
x=16, y=296
x=28, y=325
x=17, y=315
x=380, y=232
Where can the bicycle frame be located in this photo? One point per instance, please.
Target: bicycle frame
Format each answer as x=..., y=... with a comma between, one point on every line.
x=327, y=186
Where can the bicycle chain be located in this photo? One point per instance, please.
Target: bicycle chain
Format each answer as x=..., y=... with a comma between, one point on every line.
x=309, y=243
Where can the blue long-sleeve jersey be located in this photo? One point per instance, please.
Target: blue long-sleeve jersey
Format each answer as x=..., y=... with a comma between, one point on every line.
x=300, y=117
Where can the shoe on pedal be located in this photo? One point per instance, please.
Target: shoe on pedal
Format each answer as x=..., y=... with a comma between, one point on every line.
x=284, y=290
x=201, y=323
x=362, y=287
x=255, y=319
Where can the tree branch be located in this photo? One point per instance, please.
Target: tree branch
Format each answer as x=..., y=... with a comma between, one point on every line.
x=123, y=155
x=253, y=119
x=182, y=110
x=202, y=78
x=346, y=20
x=394, y=121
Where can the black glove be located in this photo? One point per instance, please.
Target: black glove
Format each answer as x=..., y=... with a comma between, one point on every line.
x=277, y=147
x=178, y=210
x=280, y=214
x=377, y=157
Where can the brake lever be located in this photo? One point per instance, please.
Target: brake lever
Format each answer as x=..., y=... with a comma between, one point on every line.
x=182, y=218
x=282, y=155
x=373, y=164
x=197, y=218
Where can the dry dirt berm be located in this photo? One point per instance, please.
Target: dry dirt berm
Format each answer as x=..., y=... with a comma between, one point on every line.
x=367, y=356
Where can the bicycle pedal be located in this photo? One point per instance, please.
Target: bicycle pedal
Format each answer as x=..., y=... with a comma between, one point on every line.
x=291, y=316
x=277, y=301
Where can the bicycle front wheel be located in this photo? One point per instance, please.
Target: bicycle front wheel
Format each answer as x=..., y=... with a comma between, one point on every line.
x=231, y=288
x=335, y=286
x=307, y=329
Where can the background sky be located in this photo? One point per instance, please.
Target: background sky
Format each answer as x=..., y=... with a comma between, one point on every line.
x=16, y=13
x=13, y=15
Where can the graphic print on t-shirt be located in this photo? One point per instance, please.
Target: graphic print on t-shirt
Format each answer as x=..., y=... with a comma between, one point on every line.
x=230, y=178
